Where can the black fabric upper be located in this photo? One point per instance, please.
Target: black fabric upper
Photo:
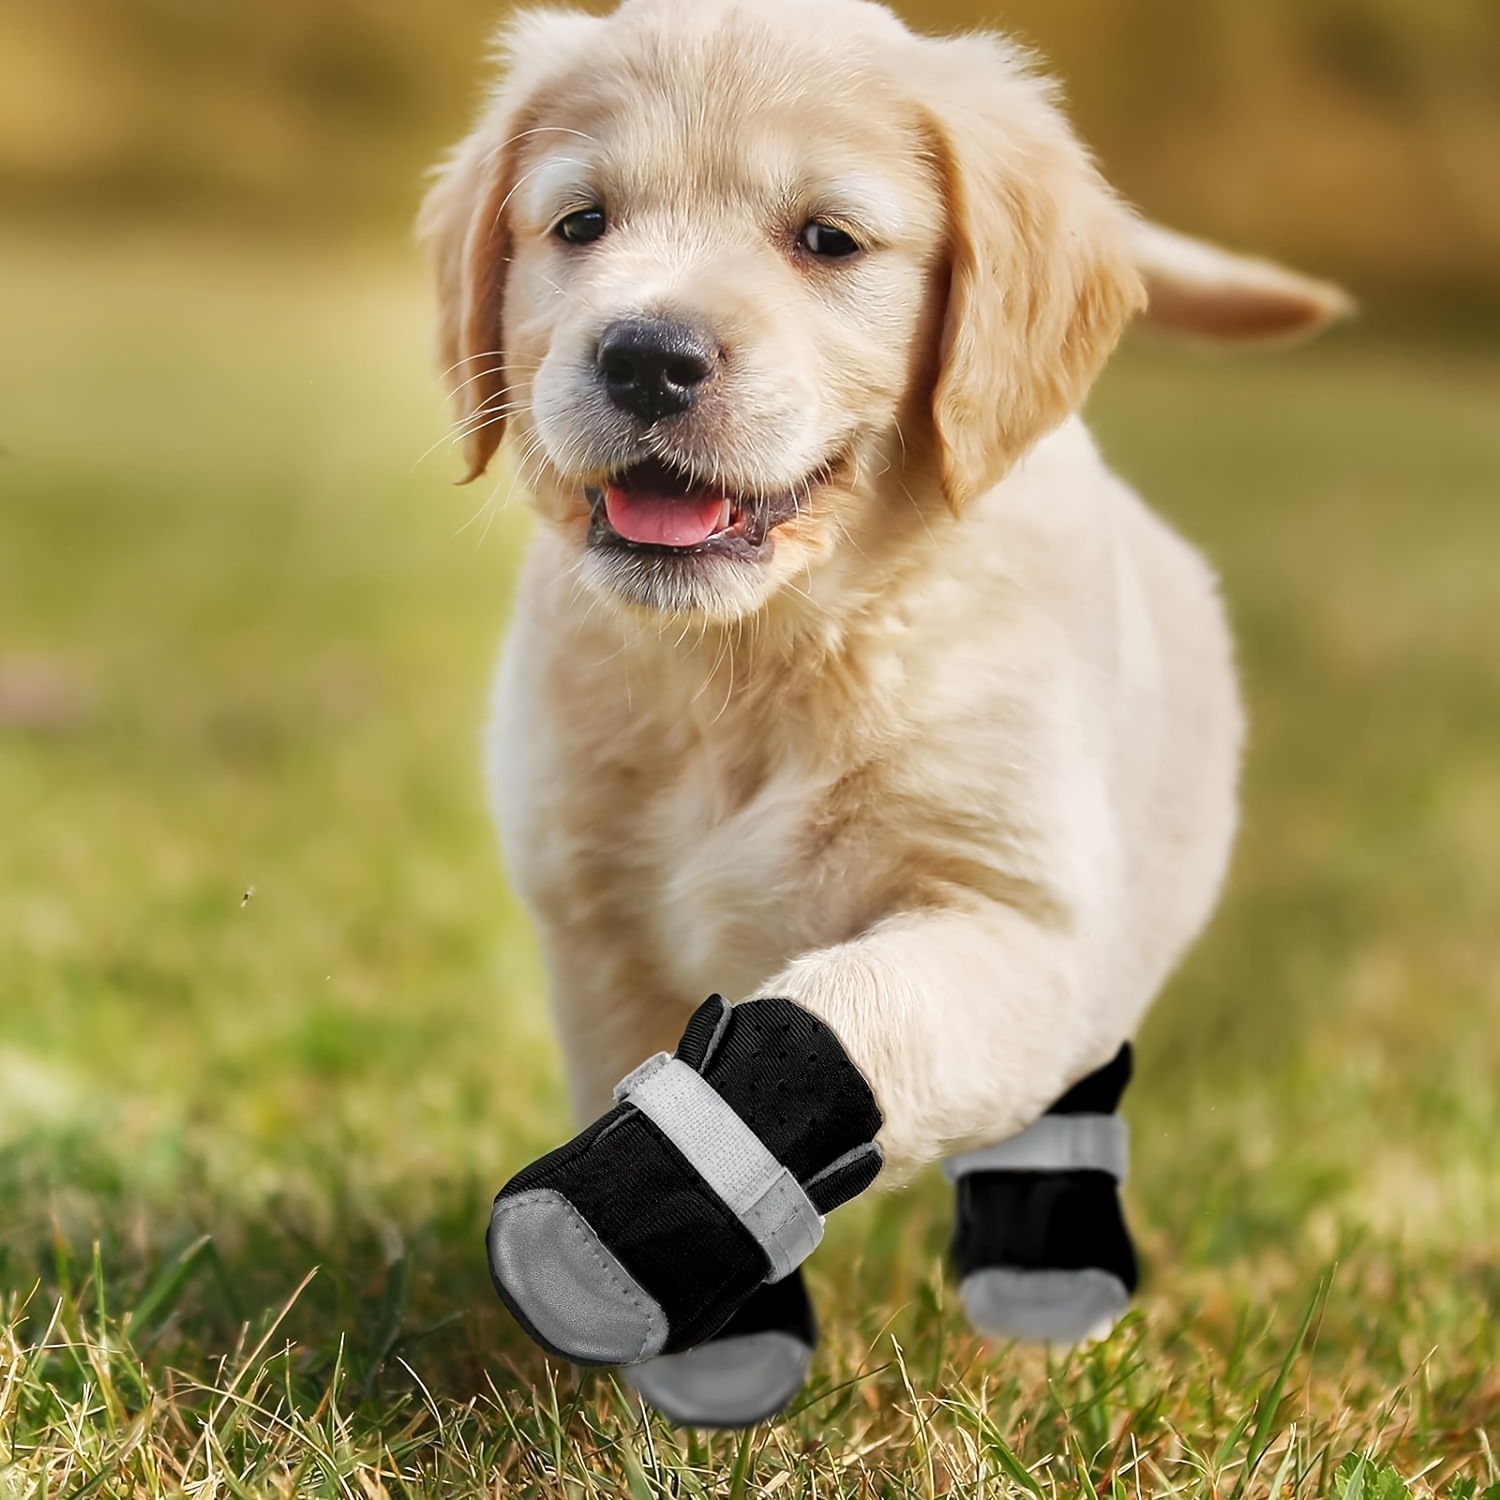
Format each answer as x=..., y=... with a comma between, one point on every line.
x=785, y=1074
x=640, y=1196
x=1100, y=1092
x=1050, y=1220
x=1041, y=1221
x=775, y=1307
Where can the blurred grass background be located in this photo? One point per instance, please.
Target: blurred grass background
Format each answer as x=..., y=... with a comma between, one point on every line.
x=260, y=978
x=1358, y=136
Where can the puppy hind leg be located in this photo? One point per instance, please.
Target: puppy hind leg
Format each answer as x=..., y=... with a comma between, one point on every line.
x=1040, y=1243
x=610, y=1012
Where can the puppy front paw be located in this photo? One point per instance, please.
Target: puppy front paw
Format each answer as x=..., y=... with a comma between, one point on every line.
x=710, y=1177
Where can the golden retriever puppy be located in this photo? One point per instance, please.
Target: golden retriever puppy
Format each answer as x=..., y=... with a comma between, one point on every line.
x=843, y=670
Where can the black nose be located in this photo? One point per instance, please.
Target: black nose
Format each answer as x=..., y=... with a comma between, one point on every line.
x=652, y=367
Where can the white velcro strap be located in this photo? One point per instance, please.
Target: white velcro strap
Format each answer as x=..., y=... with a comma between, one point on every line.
x=729, y=1156
x=1055, y=1143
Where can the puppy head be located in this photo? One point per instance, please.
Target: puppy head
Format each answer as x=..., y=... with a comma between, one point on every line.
x=756, y=284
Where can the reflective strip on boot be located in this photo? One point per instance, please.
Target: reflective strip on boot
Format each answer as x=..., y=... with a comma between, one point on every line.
x=729, y=1156
x=1054, y=1143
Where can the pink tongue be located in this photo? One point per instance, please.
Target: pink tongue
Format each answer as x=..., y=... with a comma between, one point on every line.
x=666, y=520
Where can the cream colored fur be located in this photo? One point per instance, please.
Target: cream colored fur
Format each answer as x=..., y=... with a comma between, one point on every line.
x=956, y=769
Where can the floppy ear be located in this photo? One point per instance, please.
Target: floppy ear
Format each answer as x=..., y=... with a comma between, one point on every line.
x=465, y=224
x=1041, y=277
x=1205, y=292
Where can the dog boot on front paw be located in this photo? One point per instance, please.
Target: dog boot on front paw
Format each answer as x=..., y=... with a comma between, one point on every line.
x=645, y=1234
x=1039, y=1240
x=744, y=1374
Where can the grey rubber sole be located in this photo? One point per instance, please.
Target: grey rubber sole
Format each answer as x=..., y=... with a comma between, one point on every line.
x=565, y=1287
x=1044, y=1307
x=725, y=1383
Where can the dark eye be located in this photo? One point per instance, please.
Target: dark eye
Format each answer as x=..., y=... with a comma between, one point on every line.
x=827, y=241
x=582, y=226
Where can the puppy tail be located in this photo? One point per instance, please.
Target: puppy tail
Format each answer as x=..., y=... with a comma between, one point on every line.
x=1199, y=290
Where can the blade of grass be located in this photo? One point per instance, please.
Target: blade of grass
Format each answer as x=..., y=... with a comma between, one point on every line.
x=635, y=1476
x=161, y=1296
x=393, y=1305
x=1005, y=1456
x=1268, y=1402
x=741, y=1473
x=1354, y=1481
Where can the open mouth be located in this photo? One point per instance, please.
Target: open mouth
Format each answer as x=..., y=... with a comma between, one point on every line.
x=653, y=505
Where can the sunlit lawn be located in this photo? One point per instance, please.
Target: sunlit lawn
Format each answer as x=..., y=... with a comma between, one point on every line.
x=260, y=979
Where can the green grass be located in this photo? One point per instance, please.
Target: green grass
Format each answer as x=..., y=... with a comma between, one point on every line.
x=267, y=1012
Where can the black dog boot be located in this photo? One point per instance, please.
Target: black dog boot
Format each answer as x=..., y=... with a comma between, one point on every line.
x=645, y=1234
x=746, y=1372
x=1039, y=1242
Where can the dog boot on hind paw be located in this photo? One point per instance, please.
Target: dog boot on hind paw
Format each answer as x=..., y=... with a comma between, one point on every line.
x=710, y=1177
x=1039, y=1240
x=747, y=1372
